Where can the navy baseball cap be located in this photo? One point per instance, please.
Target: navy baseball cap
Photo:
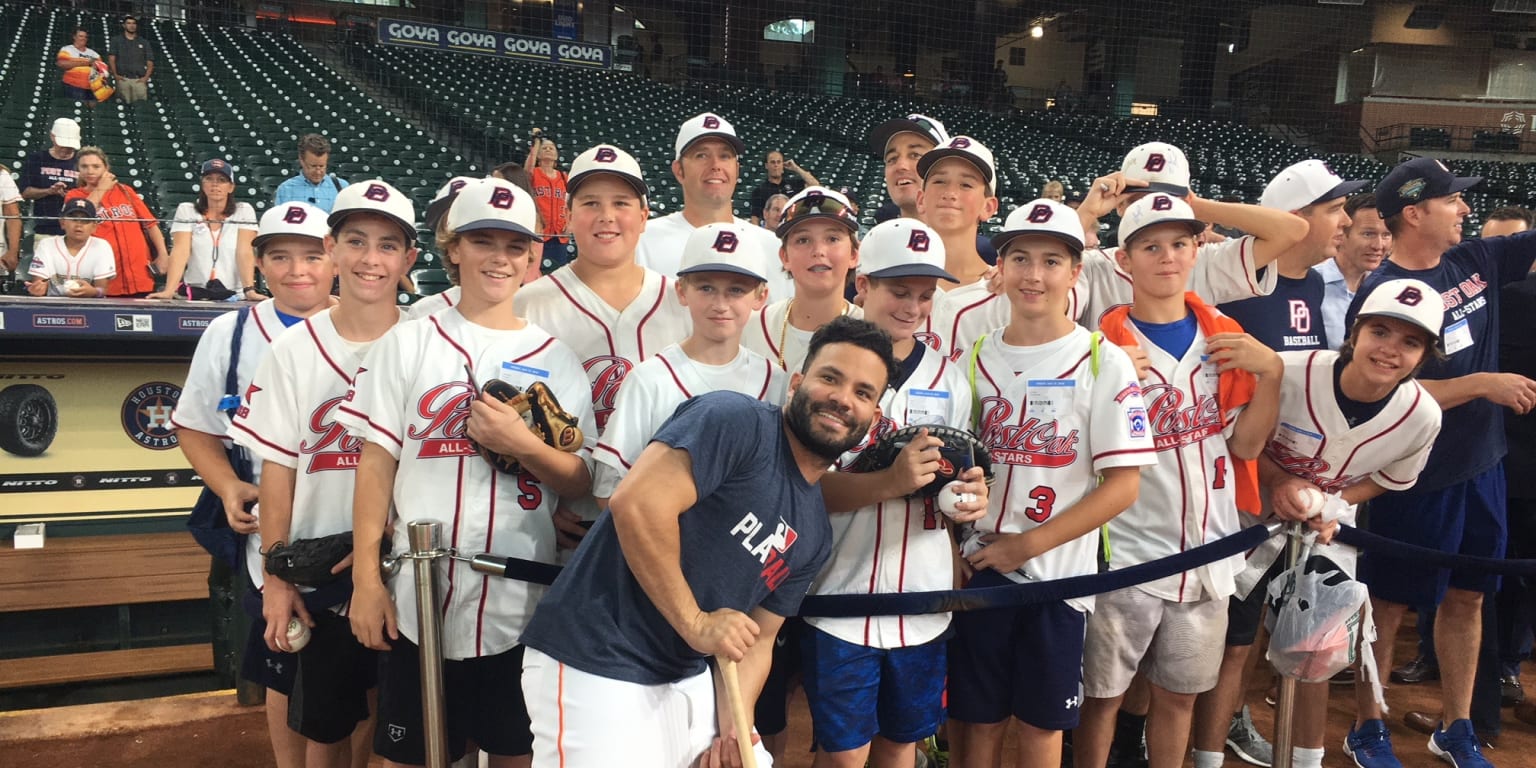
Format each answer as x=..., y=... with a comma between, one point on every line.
x=78, y=207
x=220, y=166
x=1419, y=179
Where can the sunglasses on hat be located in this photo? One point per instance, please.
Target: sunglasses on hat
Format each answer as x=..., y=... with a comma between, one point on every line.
x=817, y=205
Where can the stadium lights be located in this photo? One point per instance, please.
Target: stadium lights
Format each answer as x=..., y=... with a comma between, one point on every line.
x=1037, y=31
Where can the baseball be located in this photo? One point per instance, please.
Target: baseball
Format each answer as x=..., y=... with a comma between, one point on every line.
x=1312, y=500
x=73, y=285
x=298, y=635
x=949, y=496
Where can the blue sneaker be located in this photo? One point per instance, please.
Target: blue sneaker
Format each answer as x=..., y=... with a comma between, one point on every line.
x=1459, y=746
x=1370, y=746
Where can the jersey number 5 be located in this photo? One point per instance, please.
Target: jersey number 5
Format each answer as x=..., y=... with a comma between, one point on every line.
x=1045, y=502
x=529, y=494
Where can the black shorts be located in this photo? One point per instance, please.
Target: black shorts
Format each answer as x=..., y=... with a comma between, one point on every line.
x=1243, y=616
x=330, y=692
x=771, y=713
x=484, y=699
x=276, y=670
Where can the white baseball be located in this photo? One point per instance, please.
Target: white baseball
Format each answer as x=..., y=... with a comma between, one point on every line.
x=1312, y=500
x=298, y=635
x=73, y=285
x=949, y=496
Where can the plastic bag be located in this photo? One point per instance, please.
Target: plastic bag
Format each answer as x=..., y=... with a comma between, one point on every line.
x=1316, y=621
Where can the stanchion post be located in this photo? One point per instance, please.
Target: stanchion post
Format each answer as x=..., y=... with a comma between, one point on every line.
x=1285, y=701
x=426, y=549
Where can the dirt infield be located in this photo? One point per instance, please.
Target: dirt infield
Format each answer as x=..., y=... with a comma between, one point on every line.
x=211, y=729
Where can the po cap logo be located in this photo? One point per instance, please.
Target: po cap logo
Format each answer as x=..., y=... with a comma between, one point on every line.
x=1410, y=296
x=917, y=242
x=1155, y=162
x=501, y=197
x=1041, y=214
x=295, y=215
x=377, y=193
x=711, y=122
x=605, y=155
x=726, y=242
x=960, y=142
x=1162, y=203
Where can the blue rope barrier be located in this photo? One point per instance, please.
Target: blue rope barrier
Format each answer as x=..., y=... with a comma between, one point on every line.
x=1381, y=546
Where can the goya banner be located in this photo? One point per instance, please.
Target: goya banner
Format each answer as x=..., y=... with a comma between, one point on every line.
x=418, y=34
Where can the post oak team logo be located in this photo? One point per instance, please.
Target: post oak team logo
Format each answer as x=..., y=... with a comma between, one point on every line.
x=918, y=242
x=1313, y=469
x=605, y=155
x=711, y=122
x=1030, y=443
x=329, y=446
x=441, y=415
x=1301, y=316
x=725, y=242
x=146, y=415
x=295, y=215
x=1175, y=424
x=606, y=373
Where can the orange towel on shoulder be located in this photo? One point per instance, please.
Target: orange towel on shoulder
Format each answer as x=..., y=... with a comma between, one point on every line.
x=1235, y=387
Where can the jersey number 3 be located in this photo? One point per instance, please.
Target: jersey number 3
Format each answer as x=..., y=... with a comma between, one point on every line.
x=1045, y=502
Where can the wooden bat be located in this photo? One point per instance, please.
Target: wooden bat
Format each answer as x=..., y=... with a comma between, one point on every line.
x=732, y=680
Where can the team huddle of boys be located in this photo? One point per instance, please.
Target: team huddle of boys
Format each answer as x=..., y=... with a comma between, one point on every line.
x=1128, y=420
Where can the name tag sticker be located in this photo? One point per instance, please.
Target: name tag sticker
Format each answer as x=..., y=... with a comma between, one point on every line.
x=1458, y=336
x=927, y=406
x=1049, y=398
x=522, y=376
x=1298, y=441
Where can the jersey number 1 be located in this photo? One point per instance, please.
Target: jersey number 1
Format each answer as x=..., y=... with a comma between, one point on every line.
x=1220, y=470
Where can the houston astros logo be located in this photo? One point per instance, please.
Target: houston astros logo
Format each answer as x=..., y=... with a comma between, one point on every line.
x=917, y=242
x=607, y=373
x=605, y=155
x=725, y=242
x=146, y=415
x=377, y=193
x=295, y=215
x=1040, y=214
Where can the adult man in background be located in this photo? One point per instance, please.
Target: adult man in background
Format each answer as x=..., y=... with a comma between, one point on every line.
x=313, y=185
x=47, y=175
x=132, y=59
x=1366, y=243
x=778, y=184
x=73, y=56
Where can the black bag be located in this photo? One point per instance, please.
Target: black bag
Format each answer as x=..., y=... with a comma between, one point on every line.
x=213, y=290
x=207, y=522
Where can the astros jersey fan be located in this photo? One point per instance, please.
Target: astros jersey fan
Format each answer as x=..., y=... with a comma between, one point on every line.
x=609, y=309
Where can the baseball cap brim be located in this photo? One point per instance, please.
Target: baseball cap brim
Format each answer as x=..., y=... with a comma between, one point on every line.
x=1463, y=183
x=1195, y=226
x=734, y=269
x=335, y=220
x=880, y=136
x=261, y=240
x=729, y=138
x=935, y=155
x=1002, y=239
x=1434, y=333
x=1164, y=187
x=501, y=224
x=636, y=184
x=1344, y=189
x=912, y=270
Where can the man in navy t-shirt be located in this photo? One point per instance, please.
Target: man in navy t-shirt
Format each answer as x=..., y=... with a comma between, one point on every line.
x=710, y=541
x=1458, y=503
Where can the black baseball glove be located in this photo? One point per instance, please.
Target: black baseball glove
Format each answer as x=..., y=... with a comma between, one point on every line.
x=308, y=562
x=542, y=413
x=960, y=451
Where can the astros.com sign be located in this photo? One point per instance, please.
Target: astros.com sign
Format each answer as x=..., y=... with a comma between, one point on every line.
x=436, y=36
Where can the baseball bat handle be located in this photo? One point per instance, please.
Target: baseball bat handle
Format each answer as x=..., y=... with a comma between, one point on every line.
x=732, y=679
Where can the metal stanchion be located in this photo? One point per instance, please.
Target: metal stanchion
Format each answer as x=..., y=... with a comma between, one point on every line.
x=426, y=548
x=1285, y=701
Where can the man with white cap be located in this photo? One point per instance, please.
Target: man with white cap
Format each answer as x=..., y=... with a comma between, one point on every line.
x=900, y=143
x=417, y=404
x=721, y=284
x=1458, y=504
x=288, y=421
x=1226, y=271
x=290, y=252
x=707, y=164
x=48, y=175
x=1290, y=318
x=882, y=540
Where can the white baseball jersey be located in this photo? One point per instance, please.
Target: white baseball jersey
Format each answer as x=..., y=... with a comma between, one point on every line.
x=411, y=396
x=1053, y=426
x=198, y=406
x=1223, y=272
x=900, y=544
x=288, y=417
x=1187, y=498
x=610, y=342
x=437, y=301
x=1314, y=441
x=661, y=250
x=93, y=262
x=962, y=315
x=769, y=335
x=655, y=388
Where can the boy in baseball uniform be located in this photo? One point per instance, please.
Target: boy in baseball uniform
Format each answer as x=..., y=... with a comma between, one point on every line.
x=819, y=245
x=437, y=209
x=288, y=420
x=1063, y=415
x=76, y=265
x=416, y=404
x=1211, y=394
x=875, y=684
x=292, y=257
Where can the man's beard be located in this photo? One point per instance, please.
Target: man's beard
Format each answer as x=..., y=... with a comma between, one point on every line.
x=799, y=417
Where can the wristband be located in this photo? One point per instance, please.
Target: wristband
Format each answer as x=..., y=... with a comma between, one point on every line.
x=101, y=293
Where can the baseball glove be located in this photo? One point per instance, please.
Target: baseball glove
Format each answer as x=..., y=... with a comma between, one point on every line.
x=960, y=451
x=308, y=562
x=542, y=413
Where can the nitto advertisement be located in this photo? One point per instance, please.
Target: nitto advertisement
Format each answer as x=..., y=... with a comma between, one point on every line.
x=91, y=441
x=418, y=34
